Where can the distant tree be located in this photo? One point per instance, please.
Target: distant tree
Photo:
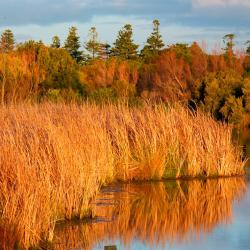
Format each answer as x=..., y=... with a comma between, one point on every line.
x=72, y=44
x=246, y=63
x=124, y=46
x=105, y=51
x=154, y=42
x=229, y=41
x=7, y=41
x=93, y=46
x=229, y=53
x=198, y=61
x=221, y=94
x=182, y=50
x=56, y=43
x=248, y=47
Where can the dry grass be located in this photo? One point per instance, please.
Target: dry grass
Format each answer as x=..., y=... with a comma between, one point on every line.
x=158, y=214
x=55, y=157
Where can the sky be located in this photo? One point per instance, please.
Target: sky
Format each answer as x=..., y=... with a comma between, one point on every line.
x=181, y=20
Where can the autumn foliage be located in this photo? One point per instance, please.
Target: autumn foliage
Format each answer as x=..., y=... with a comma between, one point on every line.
x=34, y=72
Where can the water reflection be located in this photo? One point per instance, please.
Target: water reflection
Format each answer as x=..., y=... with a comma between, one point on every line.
x=154, y=214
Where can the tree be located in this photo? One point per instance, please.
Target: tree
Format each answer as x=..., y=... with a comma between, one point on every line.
x=229, y=53
x=72, y=44
x=124, y=46
x=154, y=42
x=7, y=41
x=228, y=40
x=221, y=94
x=105, y=51
x=56, y=43
x=248, y=47
x=246, y=63
x=93, y=46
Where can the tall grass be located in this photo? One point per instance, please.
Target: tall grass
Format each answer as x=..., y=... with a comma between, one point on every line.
x=54, y=158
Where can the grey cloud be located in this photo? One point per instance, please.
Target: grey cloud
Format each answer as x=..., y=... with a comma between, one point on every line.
x=180, y=12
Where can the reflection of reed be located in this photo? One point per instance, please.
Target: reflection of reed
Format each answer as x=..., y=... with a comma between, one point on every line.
x=156, y=213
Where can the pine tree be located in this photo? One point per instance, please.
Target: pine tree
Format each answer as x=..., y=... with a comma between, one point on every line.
x=93, y=46
x=124, y=46
x=229, y=41
x=229, y=53
x=104, y=51
x=7, y=41
x=154, y=42
x=56, y=43
x=72, y=44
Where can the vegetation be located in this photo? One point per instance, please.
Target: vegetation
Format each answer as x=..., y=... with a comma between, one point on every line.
x=7, y=41
x=93, y=46
x=124, y=120
x=124, y=46
x=56, y=43
x=54, y=158
x=217, y=82
x=154, y=43
x=72, y=44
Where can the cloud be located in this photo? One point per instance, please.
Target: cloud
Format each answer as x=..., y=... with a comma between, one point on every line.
x=42, y=18
x=221, y=3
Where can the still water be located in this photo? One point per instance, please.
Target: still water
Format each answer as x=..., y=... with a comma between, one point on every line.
x=197, y=214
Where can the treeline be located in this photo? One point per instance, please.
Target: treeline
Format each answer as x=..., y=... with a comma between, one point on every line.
x=216, y=82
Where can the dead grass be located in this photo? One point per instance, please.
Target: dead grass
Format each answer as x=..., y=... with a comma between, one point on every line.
x=54, y=158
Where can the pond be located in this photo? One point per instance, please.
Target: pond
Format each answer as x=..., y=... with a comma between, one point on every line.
x=187, y=214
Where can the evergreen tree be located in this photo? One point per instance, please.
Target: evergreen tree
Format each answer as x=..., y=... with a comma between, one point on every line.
x=229, y=42
x=124, y=46
x=56, y=43
x=154, y=42
x=72, y=44
x=229, y=53
x=93, y=46
x=104, y=51
x=7, y=41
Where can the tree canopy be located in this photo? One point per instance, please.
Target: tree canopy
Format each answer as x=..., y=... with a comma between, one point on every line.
x=56, y=43
x=124, y=46
x=154, y=42
x=93, y=46
x=72, y=44
x=7, y=41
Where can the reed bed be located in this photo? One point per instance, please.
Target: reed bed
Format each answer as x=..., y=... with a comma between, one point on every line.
x=159, y=214
x=54, y=158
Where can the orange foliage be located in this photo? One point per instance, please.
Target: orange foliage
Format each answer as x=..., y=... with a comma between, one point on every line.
x=167, y=76
x=100, y=73
x=19, y=77
x=199, y=62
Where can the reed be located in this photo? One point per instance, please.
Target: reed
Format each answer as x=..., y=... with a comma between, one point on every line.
x=54, y=158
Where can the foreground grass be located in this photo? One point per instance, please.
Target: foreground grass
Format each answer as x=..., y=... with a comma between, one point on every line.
x=54, y=158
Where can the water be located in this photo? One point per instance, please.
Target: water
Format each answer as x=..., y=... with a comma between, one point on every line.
x=197, y=214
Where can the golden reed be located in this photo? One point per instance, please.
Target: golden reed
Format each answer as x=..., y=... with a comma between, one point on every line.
x=54, y=158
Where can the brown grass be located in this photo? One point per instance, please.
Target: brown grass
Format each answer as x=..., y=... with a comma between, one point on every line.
x=54, y=158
